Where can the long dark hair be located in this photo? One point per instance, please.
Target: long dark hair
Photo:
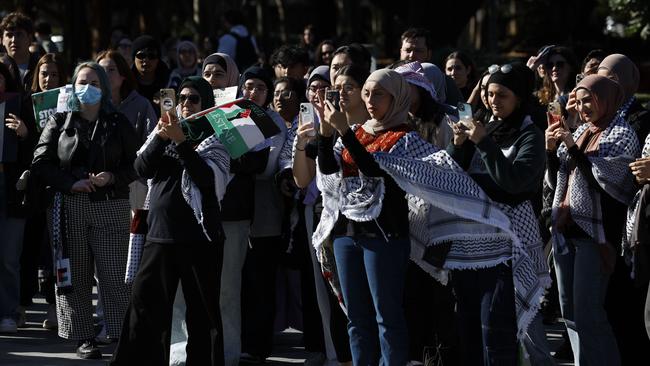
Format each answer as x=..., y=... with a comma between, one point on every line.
x=49, y=58
x=467, y=61
x=318, y=54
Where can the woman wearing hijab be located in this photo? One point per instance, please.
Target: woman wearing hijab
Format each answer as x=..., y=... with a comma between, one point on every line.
x=188, y=64
x=220, y=70
x=503, y=157
x=371, y=256
x=187, y=168
x=593, y=186
x=626, y=316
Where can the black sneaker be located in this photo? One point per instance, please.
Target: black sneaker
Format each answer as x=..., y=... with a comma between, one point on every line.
x=87, y=350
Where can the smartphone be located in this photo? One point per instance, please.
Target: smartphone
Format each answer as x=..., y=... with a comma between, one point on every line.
x=307, y=116
x=555, y=110
x=579, y=78
x=167, y=101
x=465, y=113
x=334, y=96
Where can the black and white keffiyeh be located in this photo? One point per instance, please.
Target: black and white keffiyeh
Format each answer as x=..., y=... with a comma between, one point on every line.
x=633, y=208
x=618, y=146
x=445, y=206
x=212, y=151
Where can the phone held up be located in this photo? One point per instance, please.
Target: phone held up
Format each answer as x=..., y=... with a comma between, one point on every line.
x=307, y=116
x=167, y=101
x=334, y=97
x=465, y=115
x=555, y=111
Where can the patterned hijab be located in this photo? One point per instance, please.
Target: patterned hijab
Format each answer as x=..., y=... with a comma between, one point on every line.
x=625, y=70
x=397, y=114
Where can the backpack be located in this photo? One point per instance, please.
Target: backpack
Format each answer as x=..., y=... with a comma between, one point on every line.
x=245, y=54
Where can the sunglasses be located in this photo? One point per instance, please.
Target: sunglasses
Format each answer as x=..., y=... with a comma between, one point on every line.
x=193, y=98
x=148, y=55
x=558, y=64
x=503, y=68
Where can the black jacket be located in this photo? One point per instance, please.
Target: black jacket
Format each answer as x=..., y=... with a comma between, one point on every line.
x=61, y=158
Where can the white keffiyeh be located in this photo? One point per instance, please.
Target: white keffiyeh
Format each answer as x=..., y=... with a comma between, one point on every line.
x=446, y=206
x=216, y=156
x=633, y=208
x=618, y=146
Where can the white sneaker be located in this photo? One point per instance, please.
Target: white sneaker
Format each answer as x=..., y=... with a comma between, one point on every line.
x=51, y=322
x=8, y=325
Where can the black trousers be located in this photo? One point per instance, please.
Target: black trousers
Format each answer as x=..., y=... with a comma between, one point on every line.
x=146, y=330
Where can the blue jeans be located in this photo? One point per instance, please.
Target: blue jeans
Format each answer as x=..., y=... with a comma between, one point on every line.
x=582, y=286
x=11, y=246
x=486, y=313
x=372, y=274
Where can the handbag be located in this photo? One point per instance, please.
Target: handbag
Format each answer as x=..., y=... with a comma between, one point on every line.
x=137, y=238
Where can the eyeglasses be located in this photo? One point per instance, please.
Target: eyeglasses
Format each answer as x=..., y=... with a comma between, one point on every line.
x=558, y=64
x=315, y=89
x=148, y=55
x=192, y=98
x=255, y=88
x=503, y=68
x=283, y=94
x=348, y=88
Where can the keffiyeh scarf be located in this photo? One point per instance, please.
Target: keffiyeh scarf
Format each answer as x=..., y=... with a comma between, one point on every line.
x=618, y=146
x=212, y=151
x=446, y=207
x=633, y=209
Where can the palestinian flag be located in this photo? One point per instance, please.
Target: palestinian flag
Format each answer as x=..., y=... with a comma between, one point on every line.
x=240, y=125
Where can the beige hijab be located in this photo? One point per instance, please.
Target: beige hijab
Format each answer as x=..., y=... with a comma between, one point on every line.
x=625, y=70
x=397, y=114
x=232, y=72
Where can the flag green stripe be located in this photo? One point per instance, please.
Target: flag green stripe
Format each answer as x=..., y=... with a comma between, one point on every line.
x=227, y=133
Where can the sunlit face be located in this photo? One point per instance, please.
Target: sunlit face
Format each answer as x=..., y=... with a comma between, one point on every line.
x=255, y=90
x=114, y=77
x=339, y=60
x=502, y=100
x=457, y=70
x=16, y=41
x=558, y=68
x=285, y=101
x=378, y=100
x=350, y=91
x=326, y=52
x=591, y=67
x=586, y=106
x=415, y=49
x=187, y=57
x=216, y=76
x=48, y=76
x=190, y=101
x=317, y=88
x=146, y=61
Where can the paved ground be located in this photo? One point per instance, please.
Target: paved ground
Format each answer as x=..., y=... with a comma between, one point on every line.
x=39, y=347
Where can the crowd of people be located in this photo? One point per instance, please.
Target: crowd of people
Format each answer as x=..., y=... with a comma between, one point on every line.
x=420, y=215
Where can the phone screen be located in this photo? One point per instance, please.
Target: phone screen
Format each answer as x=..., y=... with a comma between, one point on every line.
x=167, y=101
x=334, y=97
x=307, y=116
x=465, y=112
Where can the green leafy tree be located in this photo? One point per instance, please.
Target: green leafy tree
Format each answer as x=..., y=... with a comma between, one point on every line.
x=633, y=15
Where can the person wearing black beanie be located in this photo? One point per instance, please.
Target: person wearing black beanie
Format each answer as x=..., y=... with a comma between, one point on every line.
x=256, y=84
x=150, y=72
x=506, y=158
